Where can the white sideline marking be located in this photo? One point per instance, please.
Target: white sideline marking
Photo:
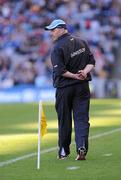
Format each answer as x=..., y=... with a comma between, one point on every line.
x=73, y=167
x=108, y=154
x=4, y=163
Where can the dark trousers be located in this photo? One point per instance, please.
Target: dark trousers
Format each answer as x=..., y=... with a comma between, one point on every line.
x=74, y=100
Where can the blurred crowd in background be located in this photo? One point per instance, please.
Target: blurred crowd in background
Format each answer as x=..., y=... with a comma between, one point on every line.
x=25, y=46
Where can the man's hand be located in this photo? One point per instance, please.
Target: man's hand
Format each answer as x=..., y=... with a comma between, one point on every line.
x=79, y=76
x=82, y=74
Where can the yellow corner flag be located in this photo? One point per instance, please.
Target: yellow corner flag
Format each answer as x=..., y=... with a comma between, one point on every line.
x=43, y=124
x=42, y=129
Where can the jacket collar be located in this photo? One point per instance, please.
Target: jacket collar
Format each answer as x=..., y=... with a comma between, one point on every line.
x=61, y=37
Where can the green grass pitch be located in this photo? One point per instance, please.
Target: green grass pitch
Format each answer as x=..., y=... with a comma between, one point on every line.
x=18, y=137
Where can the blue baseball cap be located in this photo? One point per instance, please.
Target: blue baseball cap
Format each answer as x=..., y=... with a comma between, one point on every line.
x=58, y=23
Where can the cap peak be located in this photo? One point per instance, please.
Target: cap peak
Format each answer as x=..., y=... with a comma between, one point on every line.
x=56, y=23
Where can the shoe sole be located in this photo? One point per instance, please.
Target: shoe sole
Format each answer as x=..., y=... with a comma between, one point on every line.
x=62, y=158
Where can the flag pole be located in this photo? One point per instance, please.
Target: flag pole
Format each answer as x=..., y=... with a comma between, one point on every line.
x=39, y=133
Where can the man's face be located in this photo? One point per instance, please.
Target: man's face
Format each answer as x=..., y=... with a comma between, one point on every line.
x=55, y=33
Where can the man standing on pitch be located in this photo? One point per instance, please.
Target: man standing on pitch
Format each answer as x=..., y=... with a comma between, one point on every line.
x=72, y=62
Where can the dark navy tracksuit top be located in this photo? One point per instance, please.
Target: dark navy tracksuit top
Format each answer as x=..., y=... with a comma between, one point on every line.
x=69, y=54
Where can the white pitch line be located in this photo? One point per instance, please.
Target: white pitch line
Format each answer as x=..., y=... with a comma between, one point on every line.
x=73, y=167
x=4, y=163
x=107, y=155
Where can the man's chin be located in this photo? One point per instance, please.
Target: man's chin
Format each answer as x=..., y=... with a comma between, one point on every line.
x=54, y=38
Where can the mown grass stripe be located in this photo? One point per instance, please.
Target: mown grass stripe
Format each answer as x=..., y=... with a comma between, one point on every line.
x=11, y=161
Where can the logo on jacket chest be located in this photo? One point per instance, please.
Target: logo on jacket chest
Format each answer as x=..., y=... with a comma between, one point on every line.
x=79, y=51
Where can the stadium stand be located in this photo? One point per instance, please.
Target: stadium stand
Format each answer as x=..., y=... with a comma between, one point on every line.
x=25, y=46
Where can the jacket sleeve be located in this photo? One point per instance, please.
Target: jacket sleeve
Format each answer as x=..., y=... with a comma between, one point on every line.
x=57, y=60
x=91, y=59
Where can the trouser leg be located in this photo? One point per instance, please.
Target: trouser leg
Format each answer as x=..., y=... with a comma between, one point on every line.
x=63, y=108
x=81, y=116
